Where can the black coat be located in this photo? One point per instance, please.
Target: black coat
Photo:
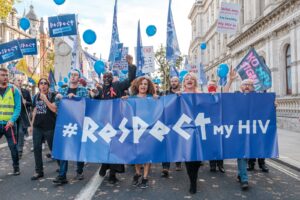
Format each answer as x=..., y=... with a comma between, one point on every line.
x=119, y=87
x=23, y=118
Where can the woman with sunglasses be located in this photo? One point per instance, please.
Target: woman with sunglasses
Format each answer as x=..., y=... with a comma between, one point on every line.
x=44, y=116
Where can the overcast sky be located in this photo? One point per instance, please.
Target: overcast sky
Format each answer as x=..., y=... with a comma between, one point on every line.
x=98, y=16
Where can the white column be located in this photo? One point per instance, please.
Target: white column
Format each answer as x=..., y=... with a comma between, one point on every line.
x=294, y=44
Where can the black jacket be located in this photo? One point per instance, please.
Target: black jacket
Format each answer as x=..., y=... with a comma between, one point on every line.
x=24, y=115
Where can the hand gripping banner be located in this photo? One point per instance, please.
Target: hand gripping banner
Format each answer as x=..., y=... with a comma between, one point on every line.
x=173, y=128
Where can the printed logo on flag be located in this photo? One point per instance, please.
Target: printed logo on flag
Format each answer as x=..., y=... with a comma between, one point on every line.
x=28, y=46
x=10, y=51
x=62, y=25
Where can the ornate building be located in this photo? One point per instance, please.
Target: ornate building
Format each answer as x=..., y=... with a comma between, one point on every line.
x=272, y=27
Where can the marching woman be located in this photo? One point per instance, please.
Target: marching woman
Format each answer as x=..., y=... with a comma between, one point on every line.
x=190, y=85
x=142, y=87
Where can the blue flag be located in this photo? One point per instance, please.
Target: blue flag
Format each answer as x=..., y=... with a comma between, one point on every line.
x=114, y=38
x=51, y=81
x=202, y=77
x=172, y=51
x=139, y=53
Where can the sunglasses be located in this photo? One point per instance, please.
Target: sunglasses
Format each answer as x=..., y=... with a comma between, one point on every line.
x=43, y=83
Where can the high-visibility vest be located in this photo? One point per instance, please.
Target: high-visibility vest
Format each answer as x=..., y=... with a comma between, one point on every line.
x=7, y=104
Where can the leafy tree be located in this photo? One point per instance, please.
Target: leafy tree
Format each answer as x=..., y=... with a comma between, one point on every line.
x=164, y=66
x=6, y=7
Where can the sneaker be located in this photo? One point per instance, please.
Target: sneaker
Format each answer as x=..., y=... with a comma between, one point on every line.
x=264, y=168
x=112, y=179
x=144, y=183
x=165, y=173
x=250, y=168
x=37, y=176
x=43, y=146
x=16, y=172
x=221, y=169
x=60, y=180
x=48, y=155
x=102, y=172
x=135, y=180
x=79, y=176
x=244, y=185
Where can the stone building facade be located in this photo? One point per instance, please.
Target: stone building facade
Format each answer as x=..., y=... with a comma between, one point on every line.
x=272, y=27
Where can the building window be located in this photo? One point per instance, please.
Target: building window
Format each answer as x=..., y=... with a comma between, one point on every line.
x=288, y=70
x=261, y=7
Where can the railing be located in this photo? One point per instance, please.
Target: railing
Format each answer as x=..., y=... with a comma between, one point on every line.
x=288, y=107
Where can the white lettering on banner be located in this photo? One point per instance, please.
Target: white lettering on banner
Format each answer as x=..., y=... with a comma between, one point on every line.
x=202, y=121
x=89, y=127
x=246, y=126
x=177, y=127
x=264, y=128
x=107, y=133
x=124, y=130
x=159, y=130
x=139, y=127
x=228, y=130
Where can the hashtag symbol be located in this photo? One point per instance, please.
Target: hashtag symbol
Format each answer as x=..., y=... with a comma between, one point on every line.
x=70, y=130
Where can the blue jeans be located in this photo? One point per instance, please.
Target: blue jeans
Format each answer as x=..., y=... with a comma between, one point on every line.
x=12, y=144
x=63, y=168
x=242, y=169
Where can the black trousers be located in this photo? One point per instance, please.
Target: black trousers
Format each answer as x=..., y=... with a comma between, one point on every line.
x=192, y=169
x=214, y=163
x=261, y=161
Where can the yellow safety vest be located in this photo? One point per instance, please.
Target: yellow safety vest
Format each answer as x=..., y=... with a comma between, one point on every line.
x=7, y=105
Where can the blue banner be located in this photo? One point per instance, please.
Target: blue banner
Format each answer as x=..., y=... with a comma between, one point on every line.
x=28, y=46
x=173, y=128
x=62, y=25
x=10, y=51
x=253, y=67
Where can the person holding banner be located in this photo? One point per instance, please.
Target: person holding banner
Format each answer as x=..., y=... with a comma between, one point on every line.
x=212, y=88
x=10, y=108
x=246, y=86
x=142, y=87
x=43, y=124
x=190, y=85
x=174, y=88
x=73, y=90
x=113, y=90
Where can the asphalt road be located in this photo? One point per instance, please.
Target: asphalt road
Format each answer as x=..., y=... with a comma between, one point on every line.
x=280, y=183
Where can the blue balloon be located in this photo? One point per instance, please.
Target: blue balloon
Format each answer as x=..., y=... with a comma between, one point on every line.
x=183, y=73
x=124, y=71
x=151, y=30
x=66, y=80
x=203, y=46
x=60, y=83
x=59, y=2
x=223, y=70
x=24, y=23
x=89, y=36
x=99, y=67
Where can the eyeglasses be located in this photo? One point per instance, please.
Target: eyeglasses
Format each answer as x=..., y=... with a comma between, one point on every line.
x=74, y=74
x=43, y=83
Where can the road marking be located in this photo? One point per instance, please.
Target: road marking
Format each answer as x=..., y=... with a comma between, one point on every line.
x=5, y=144
x=90, y=188
x=287, y=172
